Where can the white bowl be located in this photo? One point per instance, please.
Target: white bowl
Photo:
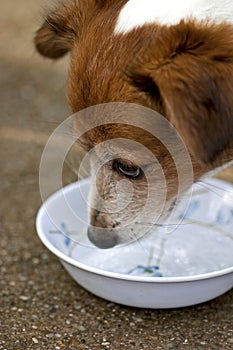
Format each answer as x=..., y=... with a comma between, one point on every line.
x=188, y=266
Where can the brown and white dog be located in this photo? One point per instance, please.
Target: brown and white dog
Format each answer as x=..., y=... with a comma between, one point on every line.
x=174, y=57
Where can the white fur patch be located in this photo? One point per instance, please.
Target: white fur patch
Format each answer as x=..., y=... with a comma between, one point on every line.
x=136, y=13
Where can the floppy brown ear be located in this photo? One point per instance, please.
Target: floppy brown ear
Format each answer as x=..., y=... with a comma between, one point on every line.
x=189, y=69
x=57, y=34
x=62, y=26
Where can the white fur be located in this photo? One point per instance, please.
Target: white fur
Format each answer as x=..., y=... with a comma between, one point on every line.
x=136, y=13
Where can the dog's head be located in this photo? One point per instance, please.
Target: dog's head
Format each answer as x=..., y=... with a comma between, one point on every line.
x=183, y=71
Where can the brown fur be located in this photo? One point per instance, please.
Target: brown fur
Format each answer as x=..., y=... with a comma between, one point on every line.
x=176, y=70
x=185, y=72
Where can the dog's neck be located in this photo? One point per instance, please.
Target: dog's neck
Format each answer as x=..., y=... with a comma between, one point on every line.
x=169, y=12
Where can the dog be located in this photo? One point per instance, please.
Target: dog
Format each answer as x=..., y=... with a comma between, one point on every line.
x=172, y=57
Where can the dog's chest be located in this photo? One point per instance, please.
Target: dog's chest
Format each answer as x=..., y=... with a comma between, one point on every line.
x=136, y=13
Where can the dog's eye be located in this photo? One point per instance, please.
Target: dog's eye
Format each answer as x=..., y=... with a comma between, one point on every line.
x=133, y=172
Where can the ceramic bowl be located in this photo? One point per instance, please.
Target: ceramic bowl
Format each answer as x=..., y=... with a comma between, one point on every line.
x=188, y=265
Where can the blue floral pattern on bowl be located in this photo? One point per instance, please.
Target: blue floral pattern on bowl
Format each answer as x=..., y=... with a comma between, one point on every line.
x=146, y=271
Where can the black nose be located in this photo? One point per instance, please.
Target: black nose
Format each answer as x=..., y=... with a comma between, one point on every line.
x=102, y=238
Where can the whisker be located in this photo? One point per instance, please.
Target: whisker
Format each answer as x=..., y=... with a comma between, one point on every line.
x=208, y=187
x=164, y=225
x=140, y=244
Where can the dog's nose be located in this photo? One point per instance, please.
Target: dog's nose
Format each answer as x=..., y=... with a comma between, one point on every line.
x=104, y=240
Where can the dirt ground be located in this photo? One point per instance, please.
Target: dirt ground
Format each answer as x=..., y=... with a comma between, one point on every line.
x=41, y=307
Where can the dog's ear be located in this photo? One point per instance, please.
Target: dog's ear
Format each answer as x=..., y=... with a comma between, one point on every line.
x=189, y=69
x=57, y=34
x=61, y=27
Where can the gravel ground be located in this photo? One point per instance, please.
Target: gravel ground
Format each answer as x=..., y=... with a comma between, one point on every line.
x=40, y=305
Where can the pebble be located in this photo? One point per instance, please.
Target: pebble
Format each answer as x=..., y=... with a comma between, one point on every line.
x=110, y=305
x=24, y=297
x=35, y=340
x=35, y=261
x=77, y=307
x=22, y=278
x=81, y=328
x=50, y=335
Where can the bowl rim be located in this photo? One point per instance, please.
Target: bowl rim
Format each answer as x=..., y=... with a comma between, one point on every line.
x=75, y=263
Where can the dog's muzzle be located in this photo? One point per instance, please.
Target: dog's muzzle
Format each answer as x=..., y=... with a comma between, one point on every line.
x=101, y=237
